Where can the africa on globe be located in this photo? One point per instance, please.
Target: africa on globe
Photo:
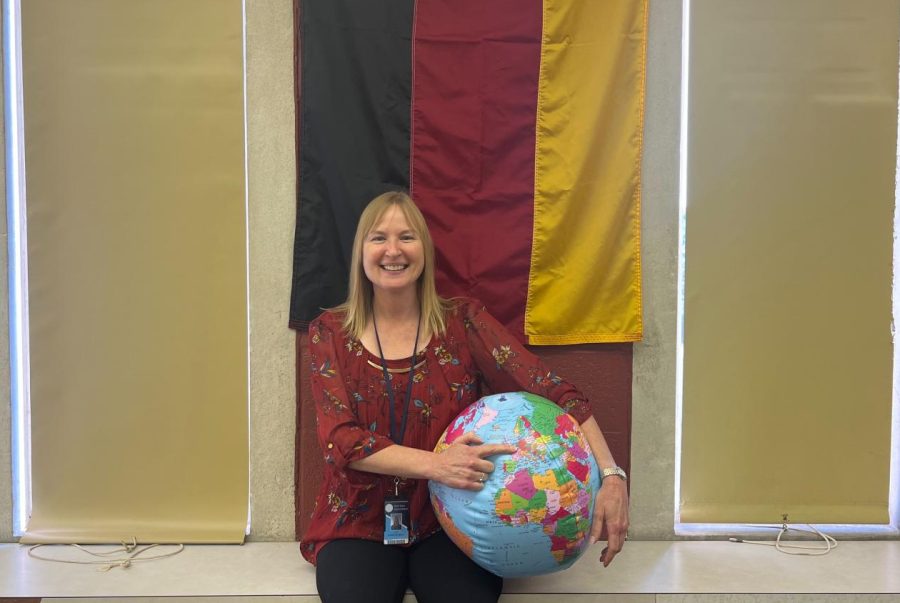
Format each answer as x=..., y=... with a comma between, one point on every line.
x=533, y=515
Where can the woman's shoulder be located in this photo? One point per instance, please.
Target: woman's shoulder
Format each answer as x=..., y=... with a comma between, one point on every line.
x=329, y=320
x=459, y=305
x=464, y=308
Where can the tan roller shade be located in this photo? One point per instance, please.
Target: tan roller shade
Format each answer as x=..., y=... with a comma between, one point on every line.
x=137, y=269
x=787, y=330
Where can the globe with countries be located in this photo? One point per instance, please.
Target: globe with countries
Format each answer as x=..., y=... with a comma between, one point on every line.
x=533, y=515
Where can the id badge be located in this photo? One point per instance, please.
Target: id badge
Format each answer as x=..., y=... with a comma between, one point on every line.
x=396, y=520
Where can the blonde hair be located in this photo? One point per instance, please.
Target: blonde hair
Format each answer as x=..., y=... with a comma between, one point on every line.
x=357, y=310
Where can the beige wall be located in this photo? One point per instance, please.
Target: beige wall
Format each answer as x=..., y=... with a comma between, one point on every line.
x=272, y=180
x=271, y=186
x=653, y=385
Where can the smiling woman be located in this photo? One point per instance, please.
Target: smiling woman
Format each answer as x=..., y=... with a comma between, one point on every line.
x=391, y=367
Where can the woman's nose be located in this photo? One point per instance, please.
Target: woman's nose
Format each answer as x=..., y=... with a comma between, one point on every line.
x=393, y=248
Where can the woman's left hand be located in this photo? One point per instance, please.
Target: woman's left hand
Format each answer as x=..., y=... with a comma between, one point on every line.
x=611, y=509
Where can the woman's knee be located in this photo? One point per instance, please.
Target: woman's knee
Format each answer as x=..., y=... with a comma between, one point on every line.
x=439, y=572
x=349, y=571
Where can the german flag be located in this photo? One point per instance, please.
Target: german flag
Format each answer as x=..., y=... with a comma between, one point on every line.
x=515, y=125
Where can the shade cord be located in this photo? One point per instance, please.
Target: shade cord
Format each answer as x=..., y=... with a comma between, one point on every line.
x=131, y=551
x=827, y=544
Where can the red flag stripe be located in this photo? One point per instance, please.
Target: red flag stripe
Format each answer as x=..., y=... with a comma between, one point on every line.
x=474, y=100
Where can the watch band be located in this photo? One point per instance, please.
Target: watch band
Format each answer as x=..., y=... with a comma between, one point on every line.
x=617, y=471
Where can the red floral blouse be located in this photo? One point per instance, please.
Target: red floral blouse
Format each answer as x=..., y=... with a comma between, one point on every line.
x=476, y=356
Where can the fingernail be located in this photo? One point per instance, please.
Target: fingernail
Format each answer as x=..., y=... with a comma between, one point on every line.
x=592, y=540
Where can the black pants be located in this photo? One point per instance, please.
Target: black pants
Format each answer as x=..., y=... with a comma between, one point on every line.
x=363, y=571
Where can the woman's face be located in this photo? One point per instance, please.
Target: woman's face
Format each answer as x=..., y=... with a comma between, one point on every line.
x=393, y=256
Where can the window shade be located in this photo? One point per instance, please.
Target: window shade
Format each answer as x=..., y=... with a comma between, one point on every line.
x=792, y=149
x=137, y=261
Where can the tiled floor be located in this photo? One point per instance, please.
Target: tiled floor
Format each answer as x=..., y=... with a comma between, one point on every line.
x=670, y=572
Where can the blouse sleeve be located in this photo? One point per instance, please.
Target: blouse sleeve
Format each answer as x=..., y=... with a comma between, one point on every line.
x=506, y=365
x=341, y=437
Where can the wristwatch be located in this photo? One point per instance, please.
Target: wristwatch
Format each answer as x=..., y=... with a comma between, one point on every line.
x=617, y=471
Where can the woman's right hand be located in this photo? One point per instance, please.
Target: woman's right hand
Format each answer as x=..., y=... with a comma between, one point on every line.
x=464, y=465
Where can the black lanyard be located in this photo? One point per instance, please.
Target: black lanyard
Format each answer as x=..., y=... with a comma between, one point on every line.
x=397, y=437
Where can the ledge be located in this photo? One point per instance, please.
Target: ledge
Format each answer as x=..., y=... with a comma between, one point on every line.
x=643, y=568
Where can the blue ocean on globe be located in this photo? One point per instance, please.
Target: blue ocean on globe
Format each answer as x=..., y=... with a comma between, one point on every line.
x=533, y=515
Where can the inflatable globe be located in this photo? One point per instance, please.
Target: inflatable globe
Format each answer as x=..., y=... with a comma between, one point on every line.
x=533, y=515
